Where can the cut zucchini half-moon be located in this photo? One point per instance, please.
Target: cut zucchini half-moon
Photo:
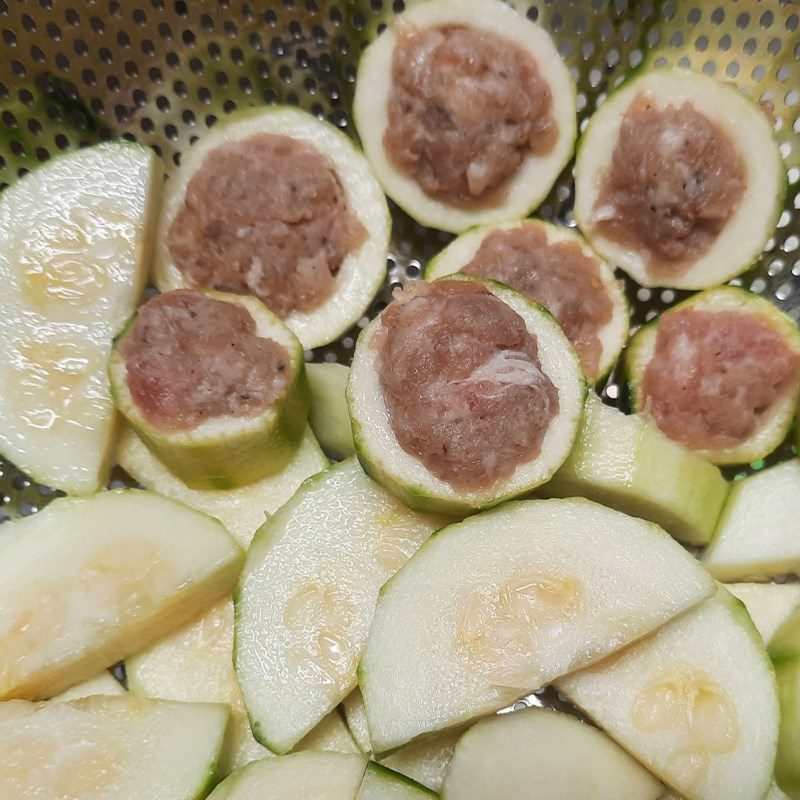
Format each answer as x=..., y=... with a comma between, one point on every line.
x=328, y=416
x=225, y=452
x=776, y=421
x=757, y=533
x=96, y=748
x=242, y=511
x=310, y=775
x=88, y=581
x=536, y=175
x=768, y=604
x=501, y=604
x=405, y=475
x=362, y=271
x=625, y=462
x=103, y=684
x=75, y=243
x=784, y=650
x=505, y=755
x=753, y=219
x=459, y=253
x=695, y=702
x=307, y=595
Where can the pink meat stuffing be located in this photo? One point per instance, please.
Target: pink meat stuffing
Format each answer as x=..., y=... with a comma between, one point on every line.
x=463, y=384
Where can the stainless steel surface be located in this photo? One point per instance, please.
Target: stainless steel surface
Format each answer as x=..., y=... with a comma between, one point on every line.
x=163, y=71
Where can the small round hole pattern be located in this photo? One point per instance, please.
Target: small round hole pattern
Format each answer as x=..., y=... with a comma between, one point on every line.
x=162, y=71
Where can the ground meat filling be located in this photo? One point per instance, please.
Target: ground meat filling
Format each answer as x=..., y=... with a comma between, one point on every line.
x=559, y=276
x=462, y=381
x=715, y=376
x=266, y=216
x=466, y=107
x=675, y=180
x=191, y=358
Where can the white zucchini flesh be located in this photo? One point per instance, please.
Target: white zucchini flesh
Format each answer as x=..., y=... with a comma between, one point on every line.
x=88, y=581
x=534, y=178
x=306, y=598
x=460, y=252
x=362, y=271
x=381, y=783
x=768, y=604
x=195, y=664
x=109, y=748
x=695, y=702
x=328, y=416
x=625, y=462
x=753, y=220
x=242, y=511
x=774, y=793
x=308, y=775
x=776, y=421
x=758, y=535
x=424, y=761
x=103, y=684
x=226, y=451
x=406, y=476
x=564, y=758
x=503, y=603
x=75, y=239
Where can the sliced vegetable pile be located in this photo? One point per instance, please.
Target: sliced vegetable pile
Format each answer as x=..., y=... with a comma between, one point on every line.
x=489, y=528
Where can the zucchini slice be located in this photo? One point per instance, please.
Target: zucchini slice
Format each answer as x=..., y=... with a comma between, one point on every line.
x=242, y=511
x=757, y=533
x=218, y=451
x=784, y=650
x=195, y=664
x=695, y=702
x=768, y=604
x=769, y=328
x=127, y=748
x=504, y=756
x=328, y=416
x=503, y=603
x=89, y=581
x=626, y=463
x=566, y=246
x=103, y=684
x=356, y=716
x=75, y=241
x=310, y=775
x=530, y=183
x=381, y=783
x=307, y=595
x=405, y=474
x=733, y=123
x=361, y=272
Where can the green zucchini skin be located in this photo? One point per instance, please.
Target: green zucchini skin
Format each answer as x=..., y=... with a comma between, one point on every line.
x=253, y=448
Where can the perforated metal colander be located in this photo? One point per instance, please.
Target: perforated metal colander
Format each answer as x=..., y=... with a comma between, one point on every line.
x=73, y=72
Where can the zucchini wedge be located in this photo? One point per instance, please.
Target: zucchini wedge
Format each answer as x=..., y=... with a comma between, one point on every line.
x=381, y=783
x=103, y=684
x=501, y=604
x=703, y=350
x=96, y=748
x=530, y=183
x=768, y=604
x=695, y=702
x=625, y=462
x=328, y=416
x=242, y=511
x=363, y=269
x=757, y=533
x=88, y=581
x=75, y=242
x=545, y=265
x=209, y=448
x=405, y=473
x=505, y=755
x=638, y=219
x=307, y=595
